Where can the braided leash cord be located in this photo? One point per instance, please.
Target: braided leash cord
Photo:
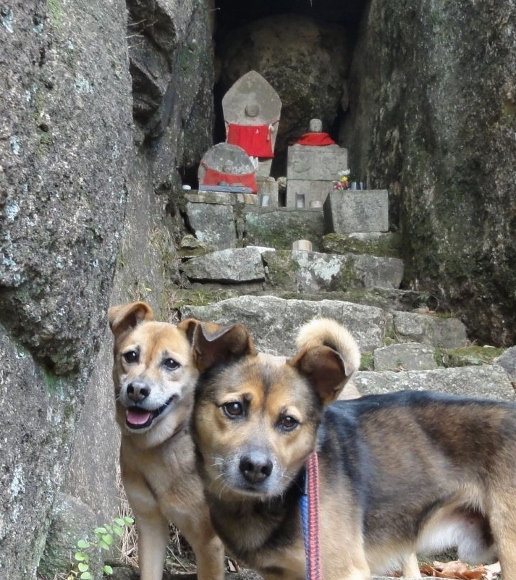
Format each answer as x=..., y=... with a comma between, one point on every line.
x=309, y=504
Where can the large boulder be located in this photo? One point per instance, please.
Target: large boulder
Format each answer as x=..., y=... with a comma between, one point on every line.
x=77, y=196
x=433, y=101
x=64, y=154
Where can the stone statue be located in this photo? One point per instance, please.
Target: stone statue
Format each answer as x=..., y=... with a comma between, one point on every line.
x=315, y=136
x=252, y=110
x=226, y=167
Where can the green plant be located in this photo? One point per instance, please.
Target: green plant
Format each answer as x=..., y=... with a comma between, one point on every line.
x=103, y=540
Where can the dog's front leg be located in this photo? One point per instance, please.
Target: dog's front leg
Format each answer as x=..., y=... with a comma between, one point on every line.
x=152, y=544
x=410, y=566
x=208, y=548
x=209, y=557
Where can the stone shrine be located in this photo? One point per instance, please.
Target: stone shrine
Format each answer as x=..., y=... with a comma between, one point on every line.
x=312, y=169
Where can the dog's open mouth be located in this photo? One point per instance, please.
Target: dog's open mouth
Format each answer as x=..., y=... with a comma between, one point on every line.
x=138, y=418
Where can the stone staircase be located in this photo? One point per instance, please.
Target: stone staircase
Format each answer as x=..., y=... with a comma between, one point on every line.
x=238, y=266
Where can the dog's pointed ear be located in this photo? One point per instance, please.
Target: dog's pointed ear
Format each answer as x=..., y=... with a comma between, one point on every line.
x=127, y=316
x=213, y=344
x=188, y=326
x=325, y=370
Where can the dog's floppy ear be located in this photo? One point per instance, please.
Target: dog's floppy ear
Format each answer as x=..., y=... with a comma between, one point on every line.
x=213, y=344
x=325, y=370
x=127, y=316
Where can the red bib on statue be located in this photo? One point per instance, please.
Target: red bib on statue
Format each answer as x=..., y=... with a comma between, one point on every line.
x=214, y=177
x=315, y=140
x=255, y=140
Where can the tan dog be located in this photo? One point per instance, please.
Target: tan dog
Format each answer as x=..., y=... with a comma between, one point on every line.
x=154, y=380
x=399, y=473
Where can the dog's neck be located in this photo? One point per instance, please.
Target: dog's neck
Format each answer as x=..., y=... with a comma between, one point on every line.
x=248, y=525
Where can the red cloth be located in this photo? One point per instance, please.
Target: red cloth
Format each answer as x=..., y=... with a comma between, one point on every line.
x=255, y=140
x=214, y=177
x=315, y=139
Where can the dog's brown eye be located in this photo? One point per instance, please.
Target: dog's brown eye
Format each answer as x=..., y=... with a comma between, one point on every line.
x=288, y=423
x=233, y=409
x=171, y=364
x=131, y=356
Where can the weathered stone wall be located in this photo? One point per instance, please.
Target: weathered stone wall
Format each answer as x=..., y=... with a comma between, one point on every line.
x=64, y=151
x=82, y=186
x=433, y=102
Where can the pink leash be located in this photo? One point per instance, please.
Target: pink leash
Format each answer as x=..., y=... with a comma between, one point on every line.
x=309, y=504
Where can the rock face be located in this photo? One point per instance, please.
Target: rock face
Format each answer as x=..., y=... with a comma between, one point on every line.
x=57, y=255
x=433, y=98
x=64, y=150
x=306, y=63
x=75, y=195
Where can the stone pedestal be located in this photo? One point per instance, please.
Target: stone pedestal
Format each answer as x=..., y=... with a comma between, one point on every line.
x=311, y=172
x=347, y=211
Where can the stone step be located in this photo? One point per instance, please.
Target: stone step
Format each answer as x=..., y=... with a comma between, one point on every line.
x=385, y=298
x=274, y=322
x=228, y=220
x=294, y=270
x=488, y=381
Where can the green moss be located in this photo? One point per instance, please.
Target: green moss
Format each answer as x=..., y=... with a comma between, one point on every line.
x=177, y=298
x=282, y=270
x=366, y=363
x=46, y=139
x=55, y=9
x=54, y=384
x=385, y=245
x=468, y=356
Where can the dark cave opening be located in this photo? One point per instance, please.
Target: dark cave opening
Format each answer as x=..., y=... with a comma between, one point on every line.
x=232, y=15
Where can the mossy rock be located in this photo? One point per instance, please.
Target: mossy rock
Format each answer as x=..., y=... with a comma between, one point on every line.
x=382, y=245
x=468, y=356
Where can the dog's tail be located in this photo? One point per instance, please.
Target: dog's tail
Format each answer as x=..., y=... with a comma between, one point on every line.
x=329, y=332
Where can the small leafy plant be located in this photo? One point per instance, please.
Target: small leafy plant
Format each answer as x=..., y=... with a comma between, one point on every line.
x=103, y=539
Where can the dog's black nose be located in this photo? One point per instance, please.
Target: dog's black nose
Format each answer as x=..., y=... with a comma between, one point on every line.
x=137, y=391
x=255, y=466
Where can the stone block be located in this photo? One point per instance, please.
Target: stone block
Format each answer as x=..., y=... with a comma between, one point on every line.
x=408, y=357
x=489, y=382
x=220, y=197
x=280, y=227
x=424, y=328
x=314, y=272
x=308, y=190
x=213, y=224
x=347, y=211
x=373, y=243
x=273, y=322
x=227, y=266
x=316, y=163
x=508, y=362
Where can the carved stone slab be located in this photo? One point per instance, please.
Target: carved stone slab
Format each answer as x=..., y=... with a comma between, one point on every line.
x=251, y=101
x=348, y=211
x=225, y=158
x=316, y=163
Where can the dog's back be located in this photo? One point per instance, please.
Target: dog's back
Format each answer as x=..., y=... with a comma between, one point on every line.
x=427, y=471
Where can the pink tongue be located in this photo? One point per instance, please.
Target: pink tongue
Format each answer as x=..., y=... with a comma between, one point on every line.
x=134, y=417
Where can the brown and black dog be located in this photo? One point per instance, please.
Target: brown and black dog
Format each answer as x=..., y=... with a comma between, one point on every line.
x=154, y=378
x=399, y=473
